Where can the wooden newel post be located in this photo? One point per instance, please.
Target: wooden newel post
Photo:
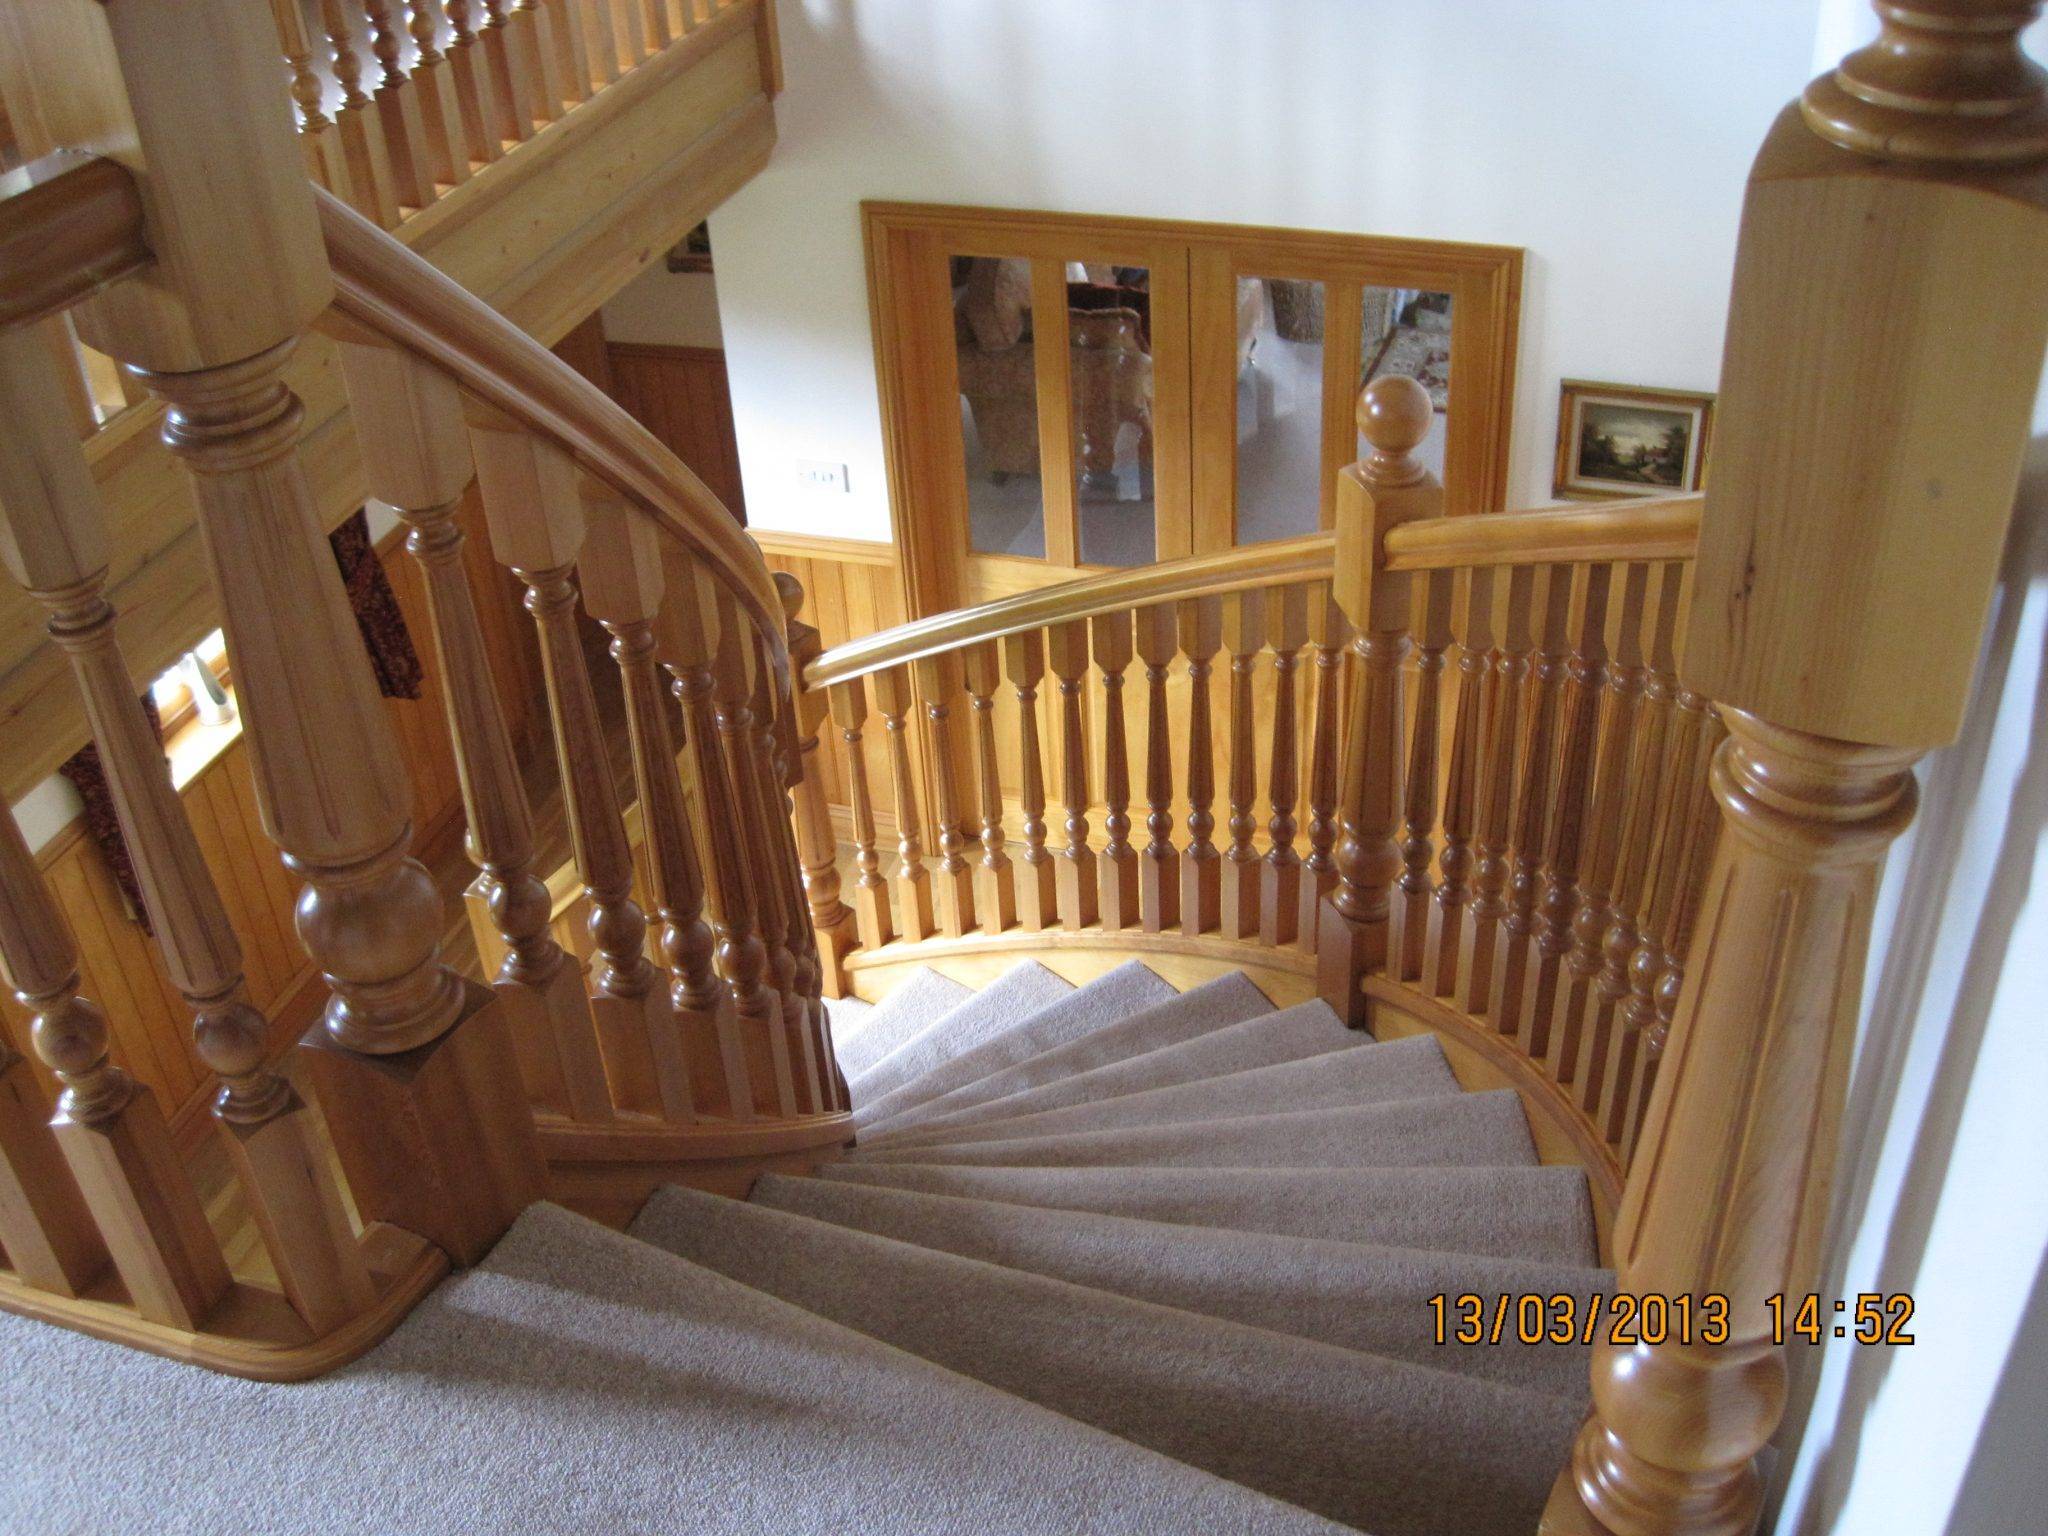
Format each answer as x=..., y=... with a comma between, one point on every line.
x=1910, y=294
x=410, y=1062
x=1390, y=488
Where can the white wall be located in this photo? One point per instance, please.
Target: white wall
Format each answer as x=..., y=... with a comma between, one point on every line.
x=665, y=309
x=1609, y=137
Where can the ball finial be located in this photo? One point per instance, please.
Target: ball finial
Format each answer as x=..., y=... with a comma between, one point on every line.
x=791, y=591
x=1393, y=415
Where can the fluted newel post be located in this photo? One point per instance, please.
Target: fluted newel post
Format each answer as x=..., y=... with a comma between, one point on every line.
x=1280, y=869
x=411, y=1063
x=1244, y=637
x=995, y=897
x=623, y=588
x=1390, y=488
x=1327, y=635
x=939, y=685
x=1074, y=861
x=832, y=920
x=1037, y=890
x=53, y=541
x=1118, y=866
x=1159, y=863
x=1860, y=281
x=912, y=881
x=1200, y=623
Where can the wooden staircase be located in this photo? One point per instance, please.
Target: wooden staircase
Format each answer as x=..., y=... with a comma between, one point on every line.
x=1598, y=796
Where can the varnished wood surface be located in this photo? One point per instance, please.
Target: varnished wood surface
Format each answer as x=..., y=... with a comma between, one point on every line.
x=1655, y=528
x=70, y=223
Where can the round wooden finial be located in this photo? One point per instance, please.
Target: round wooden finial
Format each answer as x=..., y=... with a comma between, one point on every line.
x=1393, y=415
x=791, y=591
x=1945, y=82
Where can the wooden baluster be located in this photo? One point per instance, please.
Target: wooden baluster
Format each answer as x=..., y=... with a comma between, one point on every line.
x=1507, y=994
x=1609, y=1054
x=398, y=105
x=995, y=895
x=1578, y=713
x=1621, y=686
x=359, y=124
x=832, y=921
x=326, y=159
x=533, y=47
x=1037, y=891
x=1118, y=865
x=433, y=81
x=1408, y=928
x=534, y=510
x=654, y=14
x=912, y=881
x=1280, y=869
x=1479, y=951
x=53, y=541
x=603, y=39
x=571, y=47
x=508, y=44
x=1814, y=631
x=631, y=25
x=1200, y=622
x=1328, y=632
x=687, y=635
x=938, y=685
x=624, y=588
x=1159, y=863
x=1244, y=636
x=486, y=118
x=1464, y=785
x=1389, y=488
x=849, y=704
x=1074, y=863
x=46, y=1230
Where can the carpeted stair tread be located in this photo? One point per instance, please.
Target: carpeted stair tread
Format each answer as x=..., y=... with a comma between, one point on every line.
x=1542, y=1215
x=578, y=1381
x=919, y=1001
x=1384, y=1445
x=849, y=1016
x=1013, y=996
x=1130, y=988
x=1372, y=1299
x=1228, y=1000
x=1472, y=1130
x=1363, y=1073
x=1306, y=1029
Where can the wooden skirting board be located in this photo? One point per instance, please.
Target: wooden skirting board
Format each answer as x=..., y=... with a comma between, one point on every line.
x=606, y=1172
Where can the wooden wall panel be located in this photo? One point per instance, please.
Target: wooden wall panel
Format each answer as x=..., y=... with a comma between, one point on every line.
x=681, y=396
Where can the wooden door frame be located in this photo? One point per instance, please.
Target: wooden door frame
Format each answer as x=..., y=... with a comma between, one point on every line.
x=913, y=337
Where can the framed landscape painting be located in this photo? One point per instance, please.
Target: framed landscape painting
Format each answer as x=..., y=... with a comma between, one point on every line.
x=1618, y=440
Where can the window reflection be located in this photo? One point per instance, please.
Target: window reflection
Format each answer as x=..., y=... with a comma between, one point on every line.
x=1109, y=333
x=992, y=332
x=1279, y=408
x=1408, y=331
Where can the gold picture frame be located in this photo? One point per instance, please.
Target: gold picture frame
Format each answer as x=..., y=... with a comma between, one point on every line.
x=1620, y=440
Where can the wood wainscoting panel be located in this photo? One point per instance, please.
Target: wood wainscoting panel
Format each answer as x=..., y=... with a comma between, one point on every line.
x=681, y=396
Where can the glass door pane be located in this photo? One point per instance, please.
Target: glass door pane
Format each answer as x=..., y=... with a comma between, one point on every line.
x=1408, y=331
x=1111, y=382
x=994, y=341
x=1279, y=426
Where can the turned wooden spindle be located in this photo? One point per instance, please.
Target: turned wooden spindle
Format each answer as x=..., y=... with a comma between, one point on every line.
x=358, y=121
x=482, y=111
x=53, y=541
x=1117, y=868
x=568, y=47
x=1280, y=869
x=1462, y=784
x=1159, y=862
x=832, y=920
x=1861, y=279
x=1621, y=686
x=849, y=704
x=1244, y=637
x=508, y=47
x=911, y=880
x=440, y=110
x=938, y=682
x=630, y=27
x=655, y=19
x=1389, y=488
x=1328, y=633
x=326, y=160
x=533, y=48
x=1036, y=884
x=46, y=1228
x=1074, y=861
x=1508, y=991
x=1578, y=719
x=1479, y=949
x=604, y=40
x=1200, y=622
x=1408, y=926
x=995, y=896
x=534, y=511
x=398, y=105
x=624, y=587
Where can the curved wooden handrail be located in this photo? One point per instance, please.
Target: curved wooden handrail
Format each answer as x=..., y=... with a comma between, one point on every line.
x=1655, y=528
x=1280, y=563
x=383, y=286
x=72, y=224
